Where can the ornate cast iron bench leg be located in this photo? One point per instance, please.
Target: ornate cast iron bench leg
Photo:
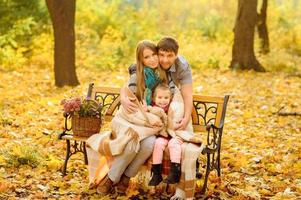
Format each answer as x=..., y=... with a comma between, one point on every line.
x=73, y=149
x=85, y=152
x=219, y=162
x=206, y=174
x=67, y=157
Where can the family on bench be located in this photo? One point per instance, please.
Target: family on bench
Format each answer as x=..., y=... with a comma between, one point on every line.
x=154, y=111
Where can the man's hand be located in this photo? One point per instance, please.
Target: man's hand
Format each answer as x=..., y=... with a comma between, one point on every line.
x=182, y=124
x=128, y=104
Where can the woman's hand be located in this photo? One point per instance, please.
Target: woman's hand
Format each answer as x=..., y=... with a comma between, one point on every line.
x=128, y=104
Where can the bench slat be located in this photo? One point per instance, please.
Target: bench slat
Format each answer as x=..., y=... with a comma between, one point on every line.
x=78, y=138
x=208, y=99
x=107, y=90
x=218, y=114
x=199, y=128
x=72, y=137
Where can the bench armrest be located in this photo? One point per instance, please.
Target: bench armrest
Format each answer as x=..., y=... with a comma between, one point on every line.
x=214, y=137
x=66, y=129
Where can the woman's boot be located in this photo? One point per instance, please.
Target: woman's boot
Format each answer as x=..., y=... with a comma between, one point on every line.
x=174, y=173
x=105, y=187
x=156, y=175
x=123, y=184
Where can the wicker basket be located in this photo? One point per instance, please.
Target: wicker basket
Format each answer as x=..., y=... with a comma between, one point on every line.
x=85, y=126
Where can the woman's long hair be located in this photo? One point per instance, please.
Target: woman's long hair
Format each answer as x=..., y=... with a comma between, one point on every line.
x=142, y=45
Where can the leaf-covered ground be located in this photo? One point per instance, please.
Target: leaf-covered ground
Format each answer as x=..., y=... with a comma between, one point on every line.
x=261, y=151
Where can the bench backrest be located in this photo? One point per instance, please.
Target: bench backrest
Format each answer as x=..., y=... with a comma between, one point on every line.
x=206, y=109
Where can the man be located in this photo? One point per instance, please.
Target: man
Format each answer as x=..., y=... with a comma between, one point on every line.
x=178, y=73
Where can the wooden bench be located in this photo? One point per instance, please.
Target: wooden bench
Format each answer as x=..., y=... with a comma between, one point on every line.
x=208, y=116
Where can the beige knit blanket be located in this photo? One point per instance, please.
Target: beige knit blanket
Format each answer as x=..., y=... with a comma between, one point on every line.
x=175, y=114
x=128, y=129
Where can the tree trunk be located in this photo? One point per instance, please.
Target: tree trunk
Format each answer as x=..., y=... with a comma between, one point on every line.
x=243, y=56
x=262, y=28
x=62, y=13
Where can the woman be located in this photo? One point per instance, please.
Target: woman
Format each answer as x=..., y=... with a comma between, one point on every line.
x=142, y=83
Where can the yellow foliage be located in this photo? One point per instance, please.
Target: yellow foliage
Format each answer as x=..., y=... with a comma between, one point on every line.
x=17, y=151
x=251, y=147
x=2, y=160
x=260, y=150
x=4, y=186
x=53, y=163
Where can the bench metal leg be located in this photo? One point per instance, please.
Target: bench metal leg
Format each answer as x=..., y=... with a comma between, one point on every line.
x=218, y=163
x=67, y=157
x=198, y=175
x=85, y=153
x=206, y=175
x=73, y=149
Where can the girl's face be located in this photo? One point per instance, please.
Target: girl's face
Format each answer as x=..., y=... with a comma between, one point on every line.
x=150, y=58
x=162, y=98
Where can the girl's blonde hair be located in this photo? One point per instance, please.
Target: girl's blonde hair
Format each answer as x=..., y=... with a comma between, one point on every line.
x=163, y=87
x=141, y=46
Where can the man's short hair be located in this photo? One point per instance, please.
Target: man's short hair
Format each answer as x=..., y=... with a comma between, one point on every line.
x=168, y=44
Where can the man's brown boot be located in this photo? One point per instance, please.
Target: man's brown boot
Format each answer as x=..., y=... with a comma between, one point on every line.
x=105, y=187
x=123, y=184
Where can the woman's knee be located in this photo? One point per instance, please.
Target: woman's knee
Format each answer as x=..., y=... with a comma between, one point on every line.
x=148, y=144
x=129, y=150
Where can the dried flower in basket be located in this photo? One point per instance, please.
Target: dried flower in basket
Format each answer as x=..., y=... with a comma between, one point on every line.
x=82, y=107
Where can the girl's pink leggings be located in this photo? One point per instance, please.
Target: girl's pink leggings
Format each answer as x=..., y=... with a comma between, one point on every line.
x=174, y=146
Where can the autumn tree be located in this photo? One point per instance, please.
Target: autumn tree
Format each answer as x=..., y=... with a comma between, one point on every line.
x=262, y=28
x=62, y=15
x=243, y=56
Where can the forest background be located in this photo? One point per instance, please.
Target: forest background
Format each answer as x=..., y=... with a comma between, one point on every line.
x=266, y=143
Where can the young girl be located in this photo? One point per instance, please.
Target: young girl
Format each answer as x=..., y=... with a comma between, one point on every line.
x=161, y=98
